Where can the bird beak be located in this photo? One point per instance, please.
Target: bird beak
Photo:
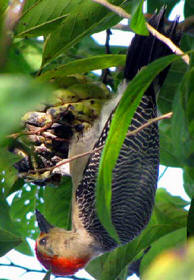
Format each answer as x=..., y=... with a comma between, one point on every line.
x=44, y=226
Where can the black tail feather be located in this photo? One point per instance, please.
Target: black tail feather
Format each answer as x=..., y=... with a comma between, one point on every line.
x=145, y=49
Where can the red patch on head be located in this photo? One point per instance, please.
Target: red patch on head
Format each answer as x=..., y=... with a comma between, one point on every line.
x=61, y=266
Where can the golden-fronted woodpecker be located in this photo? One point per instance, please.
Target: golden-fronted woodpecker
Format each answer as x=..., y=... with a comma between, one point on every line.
x=134, y=176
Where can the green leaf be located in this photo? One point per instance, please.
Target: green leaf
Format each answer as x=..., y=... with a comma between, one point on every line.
x=168, y=207
x=187, y=42
x=57, y=203
x=171, y=86
x=182, y=136
x=84, y=65
x=167, y=154
x=19, y=94
x=190, y=222
x=3, y=7
x=171, y=240
x=8, y=241
x=188, y=177
x=86, y=48
x=44, y=28
x=24, y=57
x=14, y=227
x=16, y=186
x=123, y=275
x=188, y=101
x=153, y=5
x=42, y=17
x=29, y=4
x=64, y=17
x=123, y=115
x=95, y=268
x=77, y=25
x=138, y=23
x=168, y=101
x=25, y=248
x=164, y=197
x=47, y=276
x=166, y=218
x=188, y=8
x=9, y=228
x=176, y=136
x=22, y=210
x=5, y=219
x=176, y=264
x=54, y=202
x=8, y=174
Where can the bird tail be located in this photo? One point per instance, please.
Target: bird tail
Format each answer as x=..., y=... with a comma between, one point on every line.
x=145, y=49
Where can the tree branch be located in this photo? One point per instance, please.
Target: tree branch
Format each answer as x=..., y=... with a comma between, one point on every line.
x=149, y=122
x=106, y=74
x=186, y=26
x=118, y=10
x=12, y=17
x=27, y=269
x=11, y=264
x=122, y=13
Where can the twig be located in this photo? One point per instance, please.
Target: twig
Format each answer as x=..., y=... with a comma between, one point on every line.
x=122, y=13
x=122, y=27
x=186, y=26
x=31, y=132
x=118, y=10
x=107, y=45
x=149, y=122
x=106, y=74
x=162, y=174
x=169, y=43
x=11, y=264
x=130, y=133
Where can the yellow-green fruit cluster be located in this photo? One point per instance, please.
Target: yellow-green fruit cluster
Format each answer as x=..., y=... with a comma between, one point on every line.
x=48, y=133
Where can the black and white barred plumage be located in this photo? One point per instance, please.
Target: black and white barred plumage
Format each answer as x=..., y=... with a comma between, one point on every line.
x=135, y=174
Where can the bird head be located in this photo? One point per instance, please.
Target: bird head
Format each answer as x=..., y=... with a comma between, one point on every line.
x=59, y=250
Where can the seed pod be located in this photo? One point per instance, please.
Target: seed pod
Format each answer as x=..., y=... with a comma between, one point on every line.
x=48, y=133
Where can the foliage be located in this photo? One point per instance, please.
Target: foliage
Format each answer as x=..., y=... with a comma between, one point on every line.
x=32, y=68
x=173, y=264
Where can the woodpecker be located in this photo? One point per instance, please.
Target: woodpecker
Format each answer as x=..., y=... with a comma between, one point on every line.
x=134, y=176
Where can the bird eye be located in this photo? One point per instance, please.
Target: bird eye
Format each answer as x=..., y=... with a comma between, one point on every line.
x=42, y=241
